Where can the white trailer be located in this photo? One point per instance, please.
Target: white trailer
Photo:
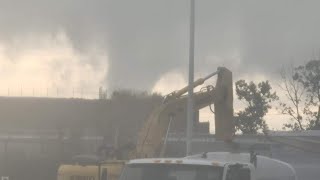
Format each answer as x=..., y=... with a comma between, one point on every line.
x=265, y=168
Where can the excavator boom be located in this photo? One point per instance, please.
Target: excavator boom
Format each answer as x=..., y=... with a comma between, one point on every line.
x=150, y=139
x=198, y=82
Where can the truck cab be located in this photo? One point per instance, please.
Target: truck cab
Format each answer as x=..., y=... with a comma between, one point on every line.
x=209, y=166
x=185, y=169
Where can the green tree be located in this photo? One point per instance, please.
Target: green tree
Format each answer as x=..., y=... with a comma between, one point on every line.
x=257, y=99
x=309, y=76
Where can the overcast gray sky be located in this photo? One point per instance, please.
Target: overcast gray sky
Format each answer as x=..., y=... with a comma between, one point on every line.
x=138, y=41
x=60, y=47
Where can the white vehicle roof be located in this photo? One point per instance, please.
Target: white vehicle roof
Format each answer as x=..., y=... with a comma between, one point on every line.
x=204, y=162
x=267, y=168
x=236, y=158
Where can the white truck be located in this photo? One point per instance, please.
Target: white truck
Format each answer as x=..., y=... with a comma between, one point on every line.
x=209, y=166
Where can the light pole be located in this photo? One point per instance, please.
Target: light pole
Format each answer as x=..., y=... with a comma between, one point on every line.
x=190, y=109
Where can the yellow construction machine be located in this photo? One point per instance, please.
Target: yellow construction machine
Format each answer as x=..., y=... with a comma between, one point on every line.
x=152, y=137
x=108, y=170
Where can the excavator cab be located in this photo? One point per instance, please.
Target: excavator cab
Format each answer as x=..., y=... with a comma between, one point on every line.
x=105, y=171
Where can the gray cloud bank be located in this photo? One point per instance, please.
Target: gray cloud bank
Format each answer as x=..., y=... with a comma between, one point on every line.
x=144, y=39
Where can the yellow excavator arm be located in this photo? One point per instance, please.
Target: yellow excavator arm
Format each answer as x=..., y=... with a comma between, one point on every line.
x=151, y=137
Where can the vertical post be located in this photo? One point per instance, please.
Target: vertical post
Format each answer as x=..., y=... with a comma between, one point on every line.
x=99, y=170
x=164, y=147
x=191, y=79
x=6, y=168
x=116, y=137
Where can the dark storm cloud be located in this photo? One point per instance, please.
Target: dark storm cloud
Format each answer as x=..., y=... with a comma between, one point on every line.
x=276, y=33
x=146, y=38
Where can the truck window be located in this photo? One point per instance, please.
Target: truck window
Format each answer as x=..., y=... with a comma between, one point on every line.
x=171, y=172
x=238, y=173
x=244, y=174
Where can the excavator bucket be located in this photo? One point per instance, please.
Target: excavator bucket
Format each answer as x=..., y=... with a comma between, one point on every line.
x=223, y=106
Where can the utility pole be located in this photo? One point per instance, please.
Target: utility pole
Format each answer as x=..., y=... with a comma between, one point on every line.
x=190, y=109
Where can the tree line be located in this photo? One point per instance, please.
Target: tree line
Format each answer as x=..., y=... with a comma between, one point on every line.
x=301, y=102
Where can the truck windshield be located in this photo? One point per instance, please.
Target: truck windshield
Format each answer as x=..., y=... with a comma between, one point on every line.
x=171, y=172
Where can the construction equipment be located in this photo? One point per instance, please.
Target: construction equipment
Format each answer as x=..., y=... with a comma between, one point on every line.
x=152, y=137
x=99, y=171
x=150, y=141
